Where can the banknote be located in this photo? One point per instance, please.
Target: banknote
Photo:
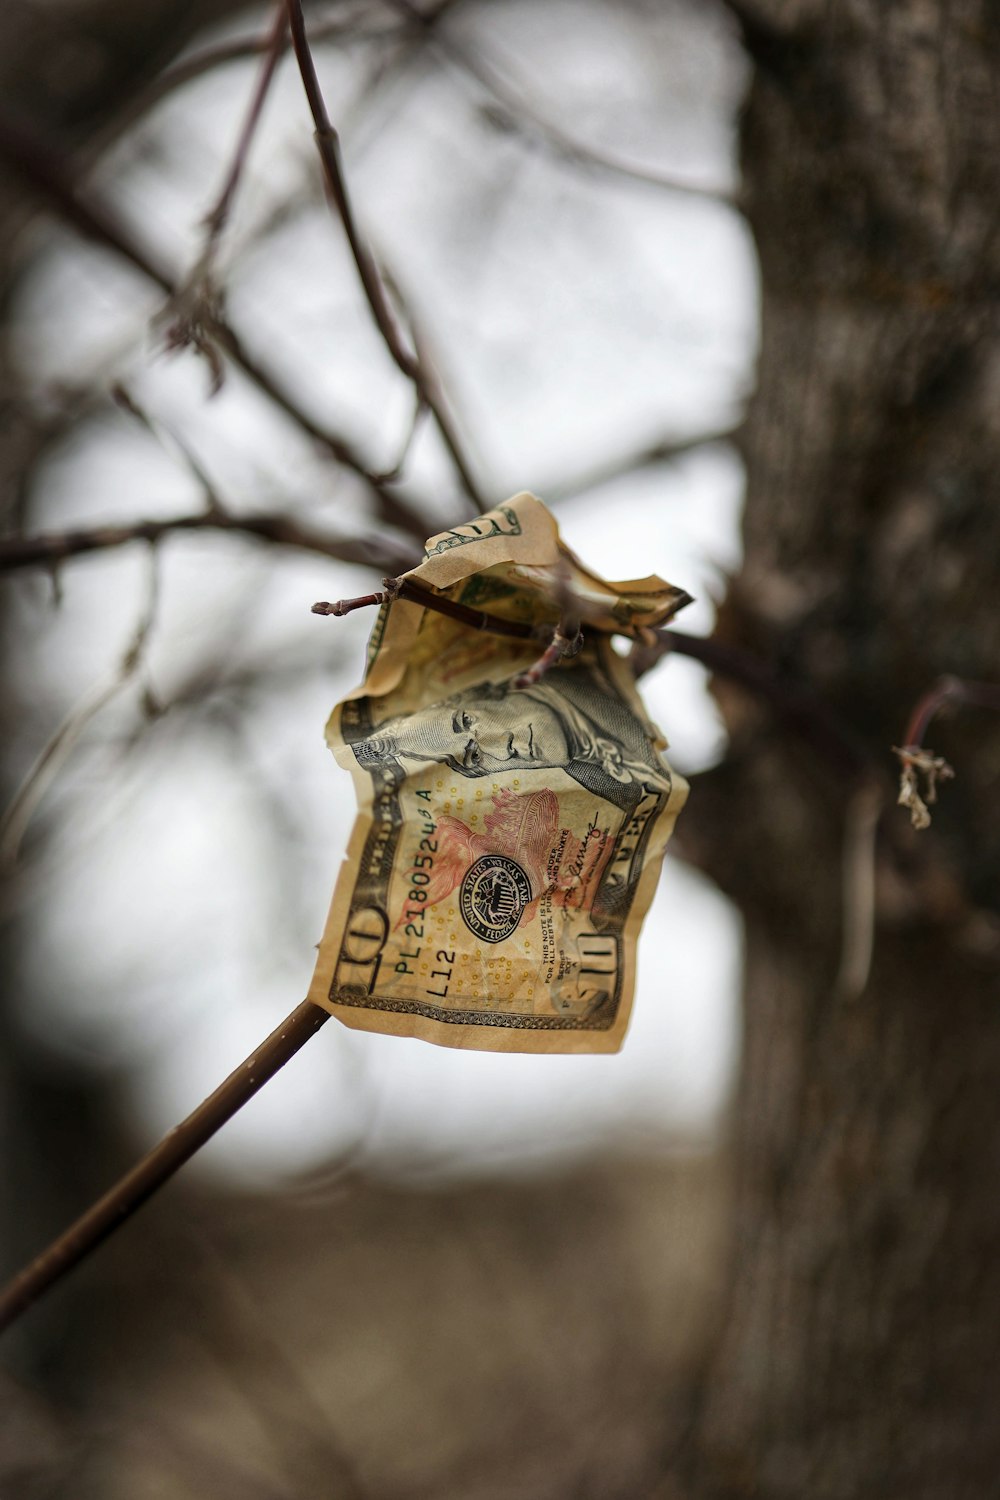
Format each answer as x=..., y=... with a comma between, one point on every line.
x=509, y=838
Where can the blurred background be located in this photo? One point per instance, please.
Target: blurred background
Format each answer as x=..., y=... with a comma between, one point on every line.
x=400, y=1270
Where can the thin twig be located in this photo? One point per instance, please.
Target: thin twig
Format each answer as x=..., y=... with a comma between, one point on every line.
x=219, y=55
x=278, y=527
x=156, y=1168
x=395, y=472
x=948, y=692
x=407, y=361
x=634, y=462
x=566, y=639
x=56, y=752
x=800, y=708
x=218, y=216
x=171, y=443
x=416, y=593
x=342, y=607
x=197, y=303
x=520, y=113
x=797, y=705
x=803, y=710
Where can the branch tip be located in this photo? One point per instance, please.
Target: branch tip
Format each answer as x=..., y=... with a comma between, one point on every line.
x=345, y=606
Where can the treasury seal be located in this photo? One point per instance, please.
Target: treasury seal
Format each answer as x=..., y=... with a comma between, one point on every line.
x=495, y=891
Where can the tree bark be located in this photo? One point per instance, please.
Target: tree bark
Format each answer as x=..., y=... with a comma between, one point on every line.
x=858, y=1352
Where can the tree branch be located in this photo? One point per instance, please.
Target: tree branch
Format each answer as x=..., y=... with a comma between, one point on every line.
x=953, y=692
x=522, y=115
x=633, y=463
x=52, y=548
x=191, y=68
x=197, y=303
x=161, y=1163
x=798, y=706
x=218, y=217
x=55, y=753
x=409, y=362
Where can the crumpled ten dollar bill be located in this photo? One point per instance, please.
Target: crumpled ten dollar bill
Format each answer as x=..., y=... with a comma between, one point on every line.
x=508, y=840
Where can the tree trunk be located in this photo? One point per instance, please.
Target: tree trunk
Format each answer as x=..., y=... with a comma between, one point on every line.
x=858, y=1353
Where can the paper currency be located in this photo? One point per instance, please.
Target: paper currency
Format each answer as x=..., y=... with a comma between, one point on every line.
x=508, y=840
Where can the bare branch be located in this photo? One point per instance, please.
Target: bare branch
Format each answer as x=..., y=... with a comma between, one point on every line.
x=334, y=28
x=170, y=442
x=417, y=593
x=396, y=471
x=161, y=1163
x=799, y=708
x=407, y=361
x=52, y=548
x=633, y=463
x=949, y=692
x=218, y=217
x=57, y=751
x=517, y=112
x=197, y=303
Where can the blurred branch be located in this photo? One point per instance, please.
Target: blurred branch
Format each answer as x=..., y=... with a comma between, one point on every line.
x=418, y=593
x=198, y=301
x=42, y=169
x=520, y=114
x=51, y=548
x=31, y=425
x=303, y=1437
x=237, y=50
x=408, y=361
x=396, y=471
x=633, y=463
x=173, y=445
x=54, y=755
x=797, y=705
x=948, y=692
x=218, y=217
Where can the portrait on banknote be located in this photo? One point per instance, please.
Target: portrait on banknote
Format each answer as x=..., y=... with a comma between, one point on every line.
x=572, y=719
